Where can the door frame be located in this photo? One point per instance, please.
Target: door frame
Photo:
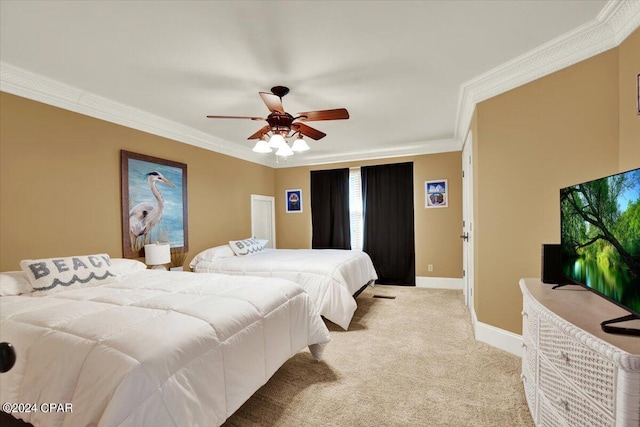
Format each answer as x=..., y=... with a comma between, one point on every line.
x=467, y=223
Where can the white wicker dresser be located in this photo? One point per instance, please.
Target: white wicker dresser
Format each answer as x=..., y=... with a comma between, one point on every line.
x=574, y=374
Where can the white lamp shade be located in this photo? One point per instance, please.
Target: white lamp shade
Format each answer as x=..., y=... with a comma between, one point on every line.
x=262, y=147
x=157, y=254
x=300, y=145
x=277, y=141
x=284, y=150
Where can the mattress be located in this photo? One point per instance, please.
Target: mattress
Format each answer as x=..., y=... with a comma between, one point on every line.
x=329, y=276
x=155, y=348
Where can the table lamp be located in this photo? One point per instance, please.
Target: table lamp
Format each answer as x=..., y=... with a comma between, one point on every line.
x=156, y=255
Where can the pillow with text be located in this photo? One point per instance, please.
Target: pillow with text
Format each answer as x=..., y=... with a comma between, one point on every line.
x=246, y=246
x=58, y=274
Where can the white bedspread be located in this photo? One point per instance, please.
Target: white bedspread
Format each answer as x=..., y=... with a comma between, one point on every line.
x=156, y=348
x=329, y=276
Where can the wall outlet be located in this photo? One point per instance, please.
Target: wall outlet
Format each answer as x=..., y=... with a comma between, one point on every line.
x=430, y=267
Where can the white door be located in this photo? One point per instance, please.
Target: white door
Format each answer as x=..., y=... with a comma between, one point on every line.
x=263, y=219
x=467, y=221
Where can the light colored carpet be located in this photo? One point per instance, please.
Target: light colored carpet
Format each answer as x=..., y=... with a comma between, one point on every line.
x=409, y=361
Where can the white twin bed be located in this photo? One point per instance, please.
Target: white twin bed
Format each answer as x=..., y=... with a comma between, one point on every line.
x=331, y=277
x=152, y=347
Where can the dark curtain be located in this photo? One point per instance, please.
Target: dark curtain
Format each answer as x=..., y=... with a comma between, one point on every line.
x=330, y=209
x=387, y=197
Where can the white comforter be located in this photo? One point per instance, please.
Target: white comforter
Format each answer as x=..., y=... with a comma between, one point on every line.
x=156, y=348
x=329, y=276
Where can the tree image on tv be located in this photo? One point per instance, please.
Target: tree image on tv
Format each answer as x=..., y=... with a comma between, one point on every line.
x=601, y=236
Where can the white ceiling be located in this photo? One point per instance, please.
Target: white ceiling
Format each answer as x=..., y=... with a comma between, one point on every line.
x=409, y=72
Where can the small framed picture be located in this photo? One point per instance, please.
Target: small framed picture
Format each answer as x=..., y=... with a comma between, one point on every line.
x=638, y=90
x=294, y=201
x=435, y=194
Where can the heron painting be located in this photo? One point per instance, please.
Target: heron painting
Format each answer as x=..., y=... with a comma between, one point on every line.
x=154, y=203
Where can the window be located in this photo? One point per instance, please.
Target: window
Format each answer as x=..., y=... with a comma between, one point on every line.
x=355, y=208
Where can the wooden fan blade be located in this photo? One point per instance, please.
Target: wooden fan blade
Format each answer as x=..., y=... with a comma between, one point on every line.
x=335, y=114
x=236, y=117
x=263, y=130
x=273, y=102
x=308, y=131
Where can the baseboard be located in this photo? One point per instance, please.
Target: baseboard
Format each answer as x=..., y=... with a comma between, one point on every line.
x=496, y=337
x=439, y=283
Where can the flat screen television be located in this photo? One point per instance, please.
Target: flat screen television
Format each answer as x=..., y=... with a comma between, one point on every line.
x=600, y=241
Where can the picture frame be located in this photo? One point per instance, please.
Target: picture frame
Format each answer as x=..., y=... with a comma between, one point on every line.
x=154, y=203
x=293, y=200
x=436, y=193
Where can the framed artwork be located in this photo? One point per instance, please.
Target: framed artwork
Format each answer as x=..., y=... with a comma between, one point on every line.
x=294, y=201
x=154, y=203
x=435, y=194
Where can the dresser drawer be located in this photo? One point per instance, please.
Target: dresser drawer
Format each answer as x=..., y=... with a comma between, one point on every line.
x=587, y=370
x=529, y=359
x=529, y=323
x=573, y=407
x=530, y=392
x=547, y=415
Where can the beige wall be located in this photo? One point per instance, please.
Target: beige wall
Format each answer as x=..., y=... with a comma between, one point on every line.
x=437, y=230
x=60, y=190
x=530, y=142
x=629, y=68
x=60, y=184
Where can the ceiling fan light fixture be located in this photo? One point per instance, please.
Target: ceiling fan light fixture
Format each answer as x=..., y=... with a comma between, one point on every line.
x=262, y=146
x=282, y=126
x=300, y=145
x=284, y=150
x=277, y=141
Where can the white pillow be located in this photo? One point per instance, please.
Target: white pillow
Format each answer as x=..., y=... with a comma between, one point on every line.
x=14, y=283
x=58, y=274
x=262, y=242
x=121, y=266
x=245, y=247
x=210, y=254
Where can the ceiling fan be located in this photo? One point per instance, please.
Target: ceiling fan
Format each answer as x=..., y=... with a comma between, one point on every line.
x=279, y=122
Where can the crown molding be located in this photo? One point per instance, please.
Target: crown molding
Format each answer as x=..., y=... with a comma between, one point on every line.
x=29, y=85
x=417, y=149
x=23, y=83
x=623, y=16
x=617, y=20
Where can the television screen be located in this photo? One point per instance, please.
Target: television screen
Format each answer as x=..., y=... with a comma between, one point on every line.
x=600, y=237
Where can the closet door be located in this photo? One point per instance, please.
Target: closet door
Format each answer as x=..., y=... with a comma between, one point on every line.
x=389, y=239
x=263, y=224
